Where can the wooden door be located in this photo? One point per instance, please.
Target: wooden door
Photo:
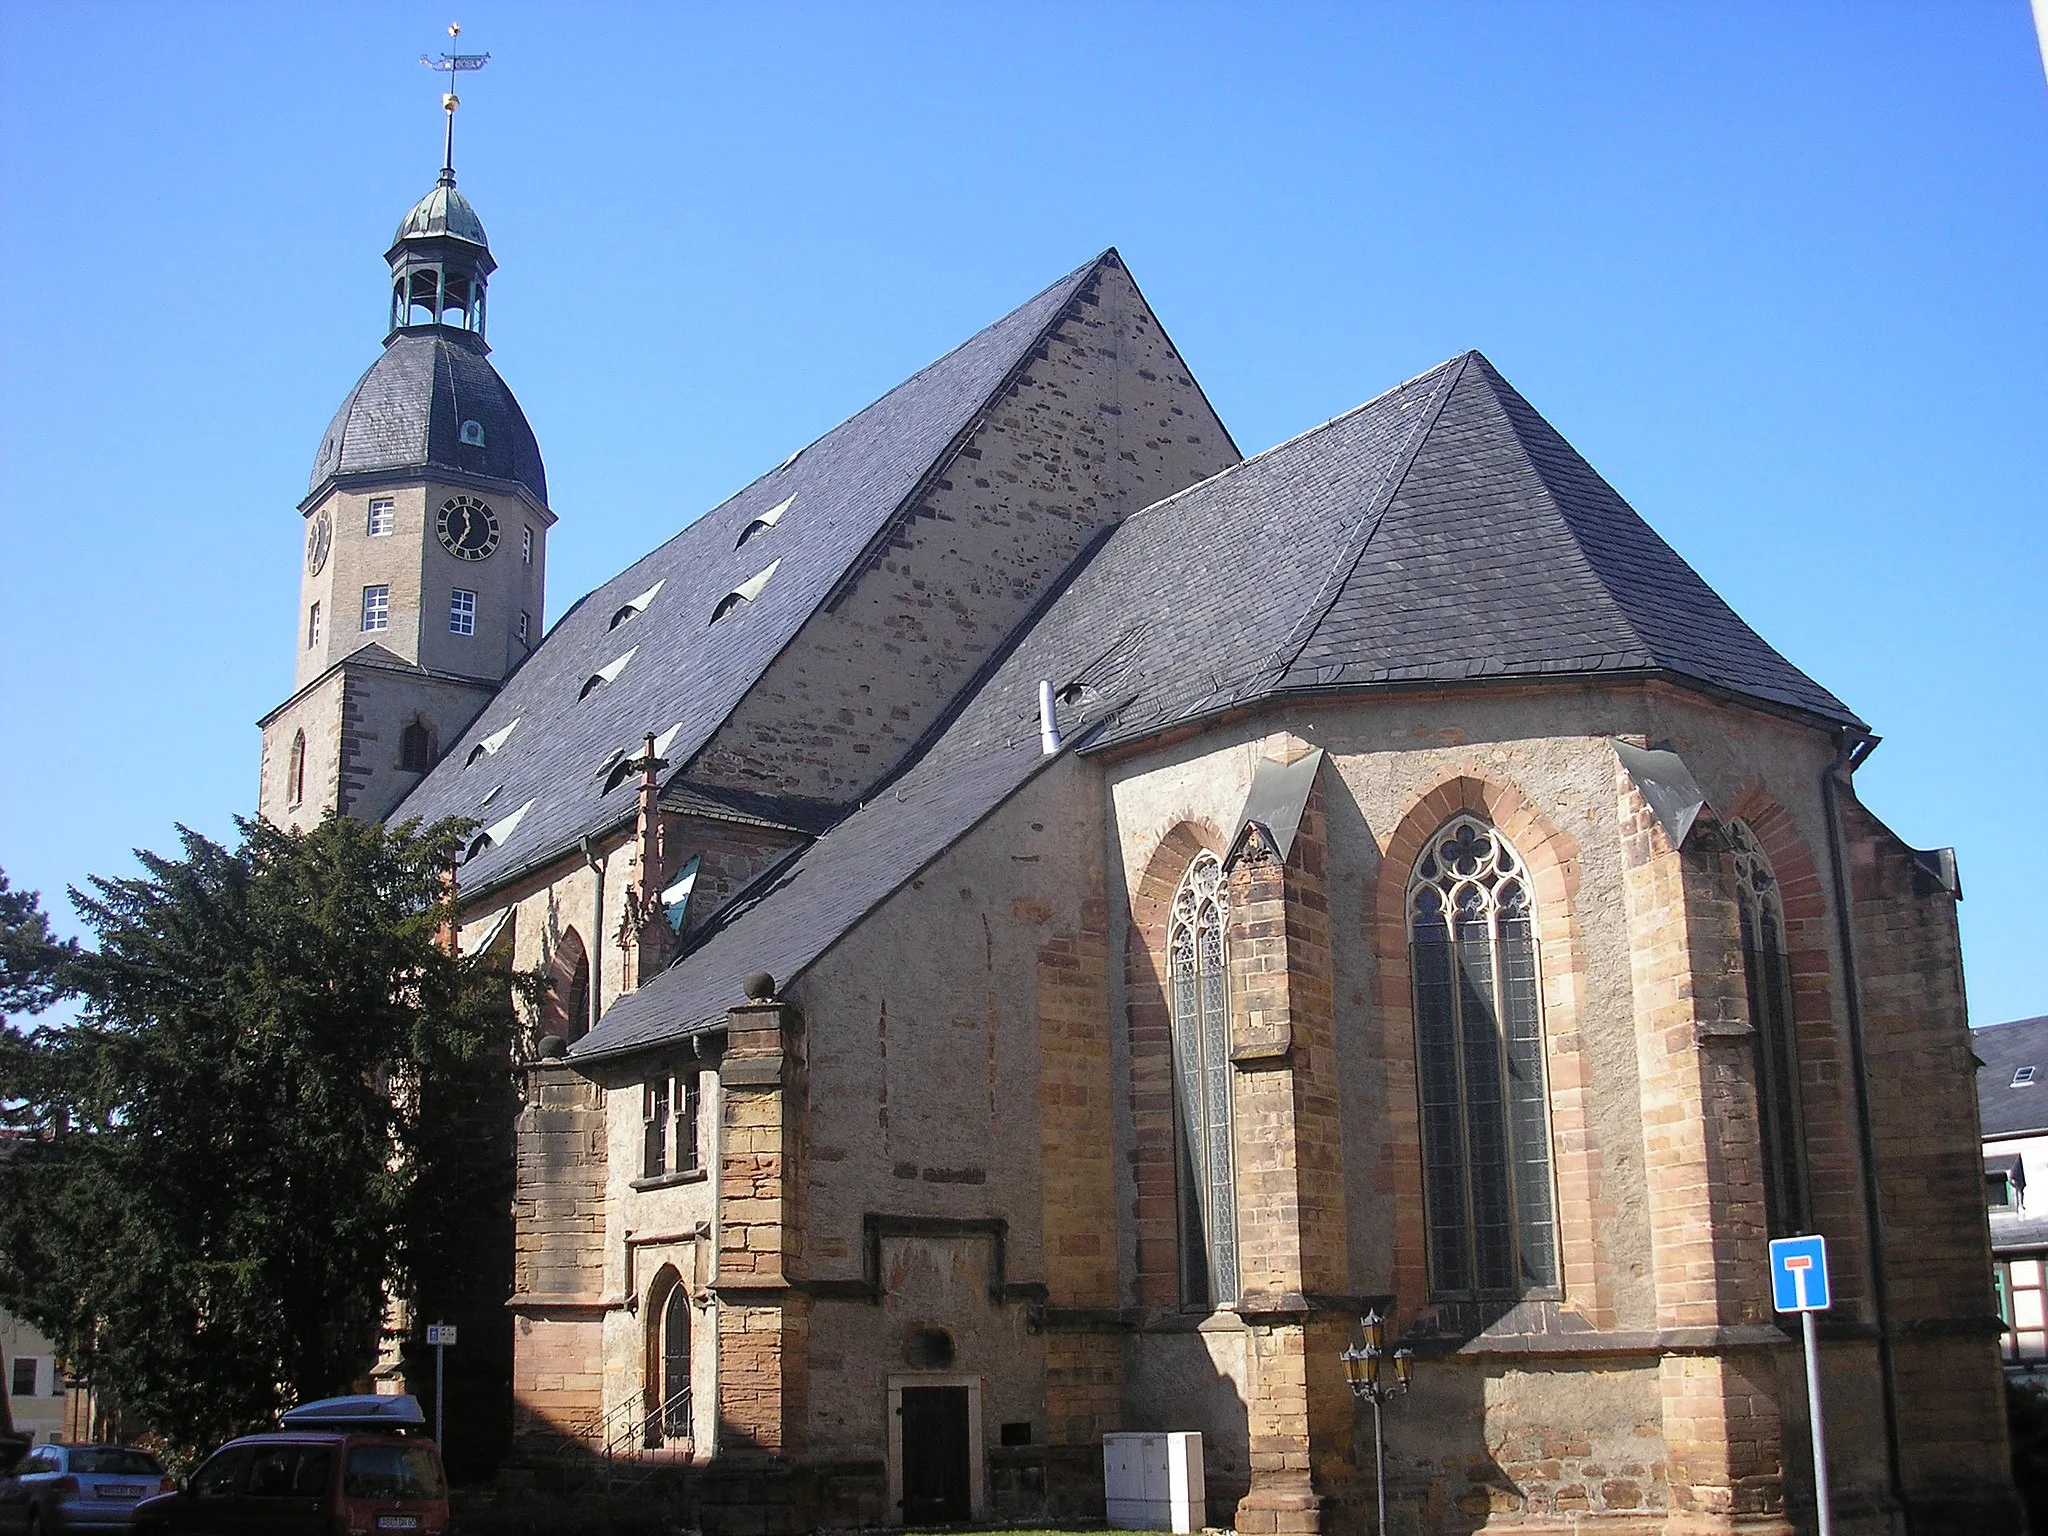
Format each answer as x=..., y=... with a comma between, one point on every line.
x=937, y=1485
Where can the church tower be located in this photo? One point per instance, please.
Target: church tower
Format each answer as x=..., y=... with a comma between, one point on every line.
x=424, y=539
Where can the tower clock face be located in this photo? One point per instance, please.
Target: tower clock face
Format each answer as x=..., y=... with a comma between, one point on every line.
x=469, y=528
x=319, y=539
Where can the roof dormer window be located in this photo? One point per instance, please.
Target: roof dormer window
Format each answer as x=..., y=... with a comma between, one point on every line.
x=488, y=747
x=745, y=592
x=2023, y=1078
x=634, y=607
x=764, y=522
x=605, y=675
x=473, y=434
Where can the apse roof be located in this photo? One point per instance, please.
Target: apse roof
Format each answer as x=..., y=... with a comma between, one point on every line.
x=407, y=411
x=1440, y=533
x=823, y=505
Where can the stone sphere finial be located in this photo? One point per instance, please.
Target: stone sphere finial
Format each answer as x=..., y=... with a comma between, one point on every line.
x=760, y=987
x=552, y=1047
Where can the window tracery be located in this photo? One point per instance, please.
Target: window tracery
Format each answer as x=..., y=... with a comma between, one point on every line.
x=1201, y=1071
x=1768, y=975
x=1487, y=1185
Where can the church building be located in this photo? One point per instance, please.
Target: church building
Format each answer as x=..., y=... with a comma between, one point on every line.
x=1048, y=921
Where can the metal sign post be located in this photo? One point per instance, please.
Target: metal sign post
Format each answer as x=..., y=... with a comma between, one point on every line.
x=1799, y=1283
x=442, y=1337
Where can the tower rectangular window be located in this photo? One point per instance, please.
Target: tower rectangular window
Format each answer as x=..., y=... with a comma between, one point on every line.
x=376, y=608
x=380, y=516
x=525, y=627
x=312, y=626
x=526, y=545
x=461, y=612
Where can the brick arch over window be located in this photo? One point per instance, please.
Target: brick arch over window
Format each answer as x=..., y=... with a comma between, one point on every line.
x=1551, y=858
x=1831, y=1154
x=1150, y=1018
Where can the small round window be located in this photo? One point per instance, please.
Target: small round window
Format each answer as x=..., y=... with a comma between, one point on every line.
x=929, y=1349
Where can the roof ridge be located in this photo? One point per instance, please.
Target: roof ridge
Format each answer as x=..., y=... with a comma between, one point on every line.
x=1339, y=574
x=1307, y=432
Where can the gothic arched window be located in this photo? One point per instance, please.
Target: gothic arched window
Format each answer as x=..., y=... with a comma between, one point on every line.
x=416, y=748
x=565, y=1010
x=1487, y=1191
x=1777, y=1050
x=295, y=770
x=675, y=1366
x=1201, y=1082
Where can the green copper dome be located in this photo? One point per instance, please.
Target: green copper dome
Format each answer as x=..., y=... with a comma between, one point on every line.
x=443, y=211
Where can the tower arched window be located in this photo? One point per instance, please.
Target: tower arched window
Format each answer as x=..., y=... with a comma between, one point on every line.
x=1769, y=979
x=1487, y=1187
x=416, y=747
x=1201, y=1079
x=295, y=770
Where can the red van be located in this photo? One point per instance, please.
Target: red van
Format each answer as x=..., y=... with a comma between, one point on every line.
x=351, y=1476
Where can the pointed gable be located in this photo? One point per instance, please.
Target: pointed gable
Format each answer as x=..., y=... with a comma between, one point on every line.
x=1504, y=554
x=707, y=614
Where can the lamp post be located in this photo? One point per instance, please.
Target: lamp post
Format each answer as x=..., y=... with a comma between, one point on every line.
x=1365, y=1368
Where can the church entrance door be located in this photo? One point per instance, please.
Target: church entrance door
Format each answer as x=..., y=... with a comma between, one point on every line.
x=937, y=1481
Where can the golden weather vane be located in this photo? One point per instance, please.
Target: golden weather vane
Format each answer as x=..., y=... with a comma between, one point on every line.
x=454, y=64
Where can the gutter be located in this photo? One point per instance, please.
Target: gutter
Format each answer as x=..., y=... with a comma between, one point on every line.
x=1850, y=752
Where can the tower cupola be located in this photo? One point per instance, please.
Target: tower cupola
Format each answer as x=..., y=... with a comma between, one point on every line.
x=440, y=259
x=440, y=264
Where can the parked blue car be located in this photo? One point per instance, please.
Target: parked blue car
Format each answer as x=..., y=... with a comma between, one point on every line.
x=60, y=1488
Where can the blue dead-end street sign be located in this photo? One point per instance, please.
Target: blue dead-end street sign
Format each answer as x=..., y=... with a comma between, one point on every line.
x=1799, y=1274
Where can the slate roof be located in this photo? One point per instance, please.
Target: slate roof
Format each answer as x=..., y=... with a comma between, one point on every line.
x=1441, y=532
x=406, y=413
x=2004, y=1049
x=1503, y=554
x=686, y=675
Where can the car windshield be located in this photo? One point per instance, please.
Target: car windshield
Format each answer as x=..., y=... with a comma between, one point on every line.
x=393, y=1472
x=118, y=1459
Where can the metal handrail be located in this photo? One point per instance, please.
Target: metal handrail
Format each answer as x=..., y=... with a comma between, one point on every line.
x=640, y=1434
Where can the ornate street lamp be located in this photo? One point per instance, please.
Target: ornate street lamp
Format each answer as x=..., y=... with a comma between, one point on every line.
x=1365, y=1368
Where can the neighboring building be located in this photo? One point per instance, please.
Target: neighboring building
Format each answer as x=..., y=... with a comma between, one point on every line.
x=1200, y=899
x=42, y=1402
x=2012, y=1102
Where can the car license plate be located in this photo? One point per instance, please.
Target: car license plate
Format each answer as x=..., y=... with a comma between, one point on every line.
x=398, y=1522
x=119, y=1491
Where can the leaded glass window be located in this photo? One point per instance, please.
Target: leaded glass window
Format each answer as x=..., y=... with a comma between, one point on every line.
x=1201, y=1081
x=1769, y=978
x=1487, y=1190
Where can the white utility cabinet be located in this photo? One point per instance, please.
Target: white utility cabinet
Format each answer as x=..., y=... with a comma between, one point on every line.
x=1154, y=1482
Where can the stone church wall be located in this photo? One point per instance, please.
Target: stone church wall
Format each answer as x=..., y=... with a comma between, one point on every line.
x=318, y=713
x=1105, y=421
x=558, y=1273
x=959, y=1088
x=1543, y=764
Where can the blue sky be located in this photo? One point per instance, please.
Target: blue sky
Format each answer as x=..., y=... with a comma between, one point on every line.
x=1776, y=271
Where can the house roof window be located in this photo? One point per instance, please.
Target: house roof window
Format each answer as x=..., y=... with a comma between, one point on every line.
x=2023, y=1078
x=745, y=592
x=764, y=522
x=606, y=674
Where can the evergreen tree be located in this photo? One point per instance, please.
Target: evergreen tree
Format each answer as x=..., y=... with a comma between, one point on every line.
x=230, y=1174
